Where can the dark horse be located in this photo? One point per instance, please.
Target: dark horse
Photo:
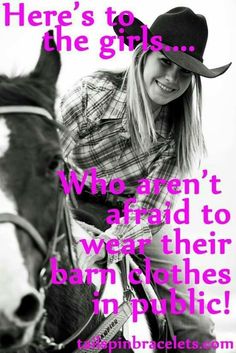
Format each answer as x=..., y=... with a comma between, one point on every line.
x=30, y=154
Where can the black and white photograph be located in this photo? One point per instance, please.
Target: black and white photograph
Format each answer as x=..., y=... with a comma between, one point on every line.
x=117, y=199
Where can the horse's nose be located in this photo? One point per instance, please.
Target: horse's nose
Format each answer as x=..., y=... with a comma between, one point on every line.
x=18, y=326
x=29, y=308
x=10, y=333
x=10, y=337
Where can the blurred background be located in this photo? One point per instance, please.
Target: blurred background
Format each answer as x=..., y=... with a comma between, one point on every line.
x=20, y=49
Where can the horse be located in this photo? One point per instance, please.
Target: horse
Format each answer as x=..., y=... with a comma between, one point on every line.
x=31, y=310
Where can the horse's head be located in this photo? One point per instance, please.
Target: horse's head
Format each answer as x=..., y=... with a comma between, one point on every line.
x=29, y=154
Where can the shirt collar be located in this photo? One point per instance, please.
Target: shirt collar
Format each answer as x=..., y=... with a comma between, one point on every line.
x=161, y=121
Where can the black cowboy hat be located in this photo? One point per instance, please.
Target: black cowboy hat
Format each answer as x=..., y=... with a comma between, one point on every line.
x=184, y=36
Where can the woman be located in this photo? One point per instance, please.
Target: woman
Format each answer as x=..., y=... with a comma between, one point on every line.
x=141, y=124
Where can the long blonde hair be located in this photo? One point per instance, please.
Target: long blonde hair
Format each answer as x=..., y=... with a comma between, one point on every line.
x=185, y=115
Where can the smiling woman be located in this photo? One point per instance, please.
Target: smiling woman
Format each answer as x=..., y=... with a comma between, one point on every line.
x=141, y=123
x=164, y=80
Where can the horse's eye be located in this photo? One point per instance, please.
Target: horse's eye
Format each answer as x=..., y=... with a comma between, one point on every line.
x=54, y=163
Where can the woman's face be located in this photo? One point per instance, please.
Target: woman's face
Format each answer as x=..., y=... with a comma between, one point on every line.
x=164, y=80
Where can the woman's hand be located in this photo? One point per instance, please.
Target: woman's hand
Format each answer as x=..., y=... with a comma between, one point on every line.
x=89, y=259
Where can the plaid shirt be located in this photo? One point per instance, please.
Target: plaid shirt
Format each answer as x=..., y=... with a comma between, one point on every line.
x=94, y=111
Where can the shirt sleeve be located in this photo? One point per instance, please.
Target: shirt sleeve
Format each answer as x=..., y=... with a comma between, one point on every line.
x=72, y=108
x=82, y=108
x=164, y=168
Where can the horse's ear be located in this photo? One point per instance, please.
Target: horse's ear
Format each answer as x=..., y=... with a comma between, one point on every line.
x=49, y=62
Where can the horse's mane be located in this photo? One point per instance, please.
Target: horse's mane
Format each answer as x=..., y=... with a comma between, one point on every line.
x=27, y=90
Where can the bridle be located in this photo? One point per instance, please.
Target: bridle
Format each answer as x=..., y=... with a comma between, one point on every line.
x=47, y=250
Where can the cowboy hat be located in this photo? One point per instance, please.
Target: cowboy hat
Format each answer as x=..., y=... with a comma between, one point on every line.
x=183, y=34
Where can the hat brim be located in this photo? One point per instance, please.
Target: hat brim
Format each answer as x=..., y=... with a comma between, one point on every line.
x=189, y=63
x=180, y=58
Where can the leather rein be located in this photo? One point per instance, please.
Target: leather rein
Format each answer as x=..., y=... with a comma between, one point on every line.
x=112, y=324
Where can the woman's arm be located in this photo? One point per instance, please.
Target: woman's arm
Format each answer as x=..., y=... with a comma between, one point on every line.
x=82, y=108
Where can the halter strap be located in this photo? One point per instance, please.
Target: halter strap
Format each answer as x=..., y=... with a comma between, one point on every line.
x=27, y=226
x=28, y=109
